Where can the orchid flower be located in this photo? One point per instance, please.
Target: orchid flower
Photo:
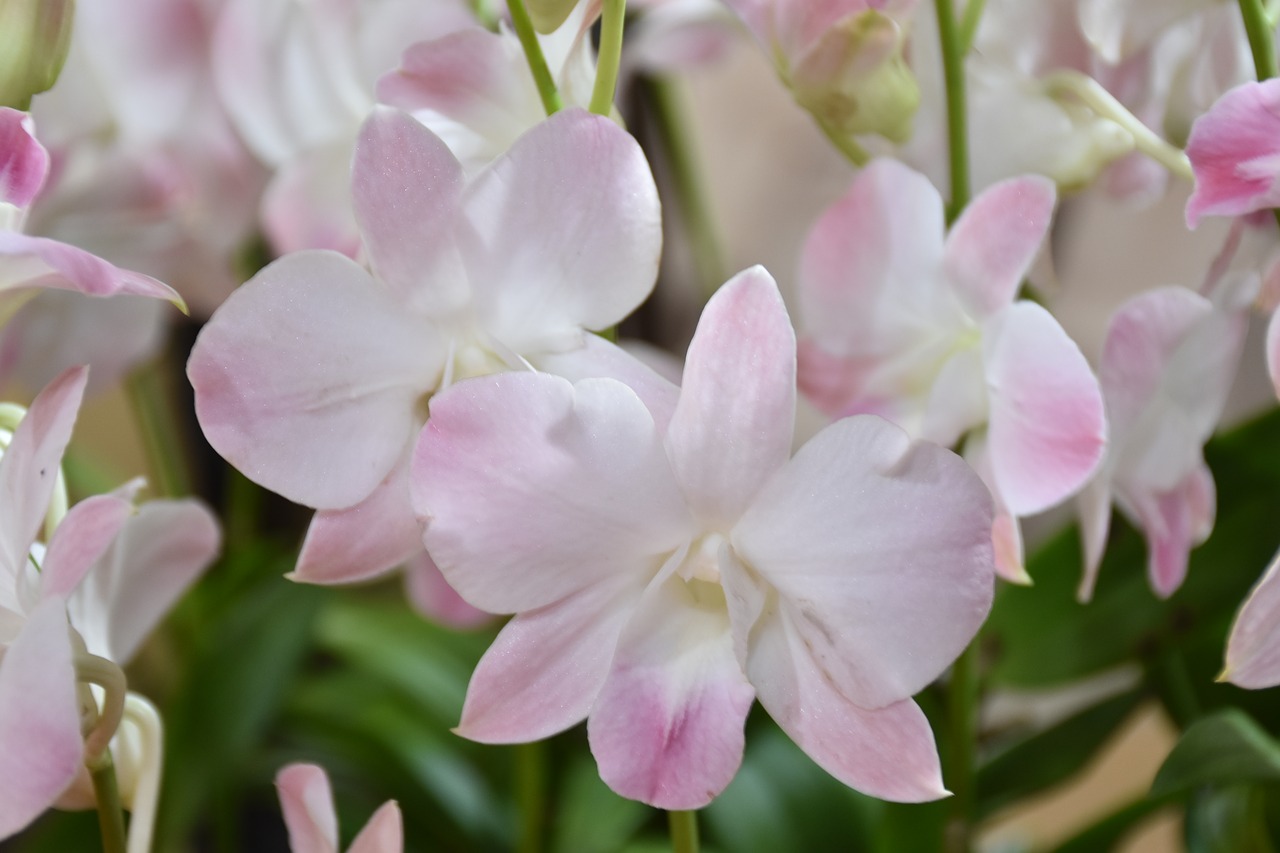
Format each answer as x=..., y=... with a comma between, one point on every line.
x=927, y=332
x=668, y=561
x=312, y=378
x=1253, y=647
x=1235, y=152
x=307, y=802
x=474, y=89
x=297, y=80
x=41, y=746
x=1167, y=364
x=97, y=586
x=842, y=60
x=28, y=263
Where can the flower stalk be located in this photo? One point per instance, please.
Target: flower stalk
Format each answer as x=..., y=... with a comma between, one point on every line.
x=610, y=56
x=528, y=37
x=957, y=107
x=684, y=831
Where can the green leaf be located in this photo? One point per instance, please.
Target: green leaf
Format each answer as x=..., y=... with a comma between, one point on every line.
x=781, y=800
x=1227, y=820
x=1046, y=758
x=234, y=685
x=589, y=817
x=1222, y=749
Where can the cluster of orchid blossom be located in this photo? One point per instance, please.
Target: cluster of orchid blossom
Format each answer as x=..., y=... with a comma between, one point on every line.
x=459, y=221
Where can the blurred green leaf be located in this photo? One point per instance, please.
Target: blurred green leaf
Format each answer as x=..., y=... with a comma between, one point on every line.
x=1226, y=820
x=781, y=800
x=234, y=684
x=590, y=818
x=1044, y=759
x=1224, y=748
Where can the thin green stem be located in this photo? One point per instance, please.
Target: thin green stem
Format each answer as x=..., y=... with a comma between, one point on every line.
x=969, y=23
x=695, y=212
x=962, y=722
x=957, y=106
x=533, y=54
x=609, y=56
x=110, y=812
x=844, y=143
x=91, y=669
x=531, y=794
x=684, y=831
x=157, y=420
x=1261, y=40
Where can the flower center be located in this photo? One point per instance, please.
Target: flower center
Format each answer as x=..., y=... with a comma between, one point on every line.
x=702, y=563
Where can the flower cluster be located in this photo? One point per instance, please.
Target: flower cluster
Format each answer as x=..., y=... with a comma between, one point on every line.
x=411, y=234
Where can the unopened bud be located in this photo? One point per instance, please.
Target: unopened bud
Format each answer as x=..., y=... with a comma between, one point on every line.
x=854, y=80
x=34, y=37
x=548, y=15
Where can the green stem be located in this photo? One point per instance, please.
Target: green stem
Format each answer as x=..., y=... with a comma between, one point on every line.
x=957, y=106
x=153, y=406
x=610, y=56
x=962, y=718
x=110, y=812
x=695, y=212
x=969, y=23
x=531, y=793
x=91, y=669
x=684, y=831
x=533, y=54
x=1261, y=41
x=854, y=153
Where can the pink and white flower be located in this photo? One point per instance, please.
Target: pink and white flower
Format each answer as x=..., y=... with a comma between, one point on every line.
x=99, y=582
x=923, y=328
x=307, y=802
x=1167, y=364
x=1235, y=153
x=1253, y=647
x=668, y=561
x=312, y=378
x=298, y=80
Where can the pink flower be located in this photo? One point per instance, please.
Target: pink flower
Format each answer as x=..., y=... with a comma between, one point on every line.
x=104, y=574
x=1167, y=364
x=312, y=378
x=297, y=80
x=668, y=561
x=28, y=263
x=1235, y=153
x=1253, y=648
x=307, y=803
x=925, y=330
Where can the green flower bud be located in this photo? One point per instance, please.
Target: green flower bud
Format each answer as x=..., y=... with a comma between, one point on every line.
x=34, y=37
x=548, y=15
x=854, y=79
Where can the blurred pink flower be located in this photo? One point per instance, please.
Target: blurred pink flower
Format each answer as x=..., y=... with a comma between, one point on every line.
x=1235, y=153
x=668, y=561
x=1167, y=364
x=923, y=328
x=307, y=802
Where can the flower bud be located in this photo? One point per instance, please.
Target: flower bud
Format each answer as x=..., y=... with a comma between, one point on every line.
x=854, y=79
x=548, y=15
x=34, y=37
